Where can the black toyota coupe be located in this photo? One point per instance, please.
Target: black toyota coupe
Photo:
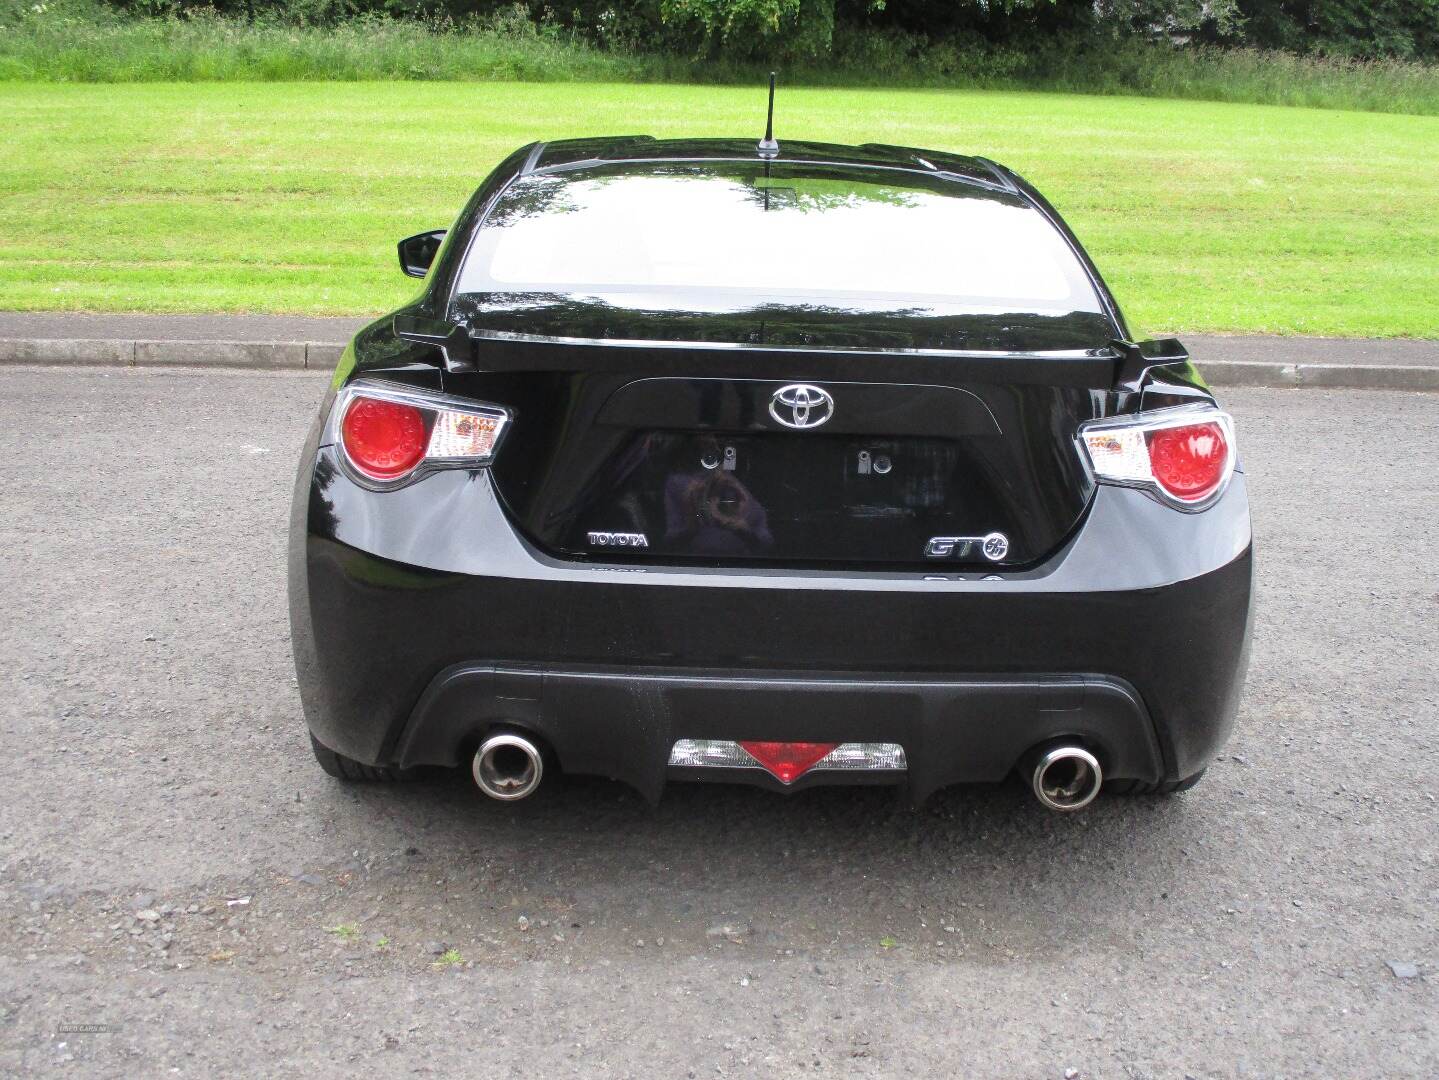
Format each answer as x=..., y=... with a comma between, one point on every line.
x=777, y=464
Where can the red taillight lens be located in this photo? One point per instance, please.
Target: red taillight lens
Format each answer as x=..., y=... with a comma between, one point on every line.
x=788, y=761
x=384, y=439
x=1189, y=462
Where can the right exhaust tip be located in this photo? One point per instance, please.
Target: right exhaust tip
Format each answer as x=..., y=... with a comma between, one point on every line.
x=1066, y=778
x=508, y=767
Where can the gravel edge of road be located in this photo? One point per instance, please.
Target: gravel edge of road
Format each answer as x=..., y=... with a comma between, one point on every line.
x=322, y=356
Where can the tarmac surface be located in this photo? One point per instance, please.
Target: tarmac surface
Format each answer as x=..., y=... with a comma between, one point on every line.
x=184, y=892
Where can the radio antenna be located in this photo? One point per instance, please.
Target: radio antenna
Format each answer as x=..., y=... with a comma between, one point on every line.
x=767, y=146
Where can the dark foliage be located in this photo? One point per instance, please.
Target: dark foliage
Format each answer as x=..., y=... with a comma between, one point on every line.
x=1407, y=29
x=779, y=31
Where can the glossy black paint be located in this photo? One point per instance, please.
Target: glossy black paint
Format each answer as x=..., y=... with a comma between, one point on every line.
x=391, y=590
x=774, y=590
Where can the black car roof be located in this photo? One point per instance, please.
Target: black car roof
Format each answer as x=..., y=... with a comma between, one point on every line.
x=581, y=153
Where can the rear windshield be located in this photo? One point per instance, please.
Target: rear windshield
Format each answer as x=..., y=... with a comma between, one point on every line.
x=795, y=234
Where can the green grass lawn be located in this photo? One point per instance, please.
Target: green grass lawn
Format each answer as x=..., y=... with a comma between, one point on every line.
x=288, y=197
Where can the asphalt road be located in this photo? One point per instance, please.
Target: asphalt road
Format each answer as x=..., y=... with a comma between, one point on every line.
x=176, y=870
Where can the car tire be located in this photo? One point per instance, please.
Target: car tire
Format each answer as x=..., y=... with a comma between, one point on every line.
x=348, y=769
x=1142, y=787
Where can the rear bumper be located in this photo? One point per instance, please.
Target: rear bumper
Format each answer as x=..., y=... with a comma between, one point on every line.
x=421, y=617
x=623, y=723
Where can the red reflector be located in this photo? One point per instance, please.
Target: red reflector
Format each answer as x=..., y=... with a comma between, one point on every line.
x=1189, y=461
x=788, y=761
x=384, y=439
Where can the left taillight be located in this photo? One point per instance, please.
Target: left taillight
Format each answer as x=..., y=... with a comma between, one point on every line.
x=384, y=439
x=1185, y=455
x=391, y=434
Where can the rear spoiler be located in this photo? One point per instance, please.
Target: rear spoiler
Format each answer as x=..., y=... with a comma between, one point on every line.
x=500, y=351
x=1136, y=358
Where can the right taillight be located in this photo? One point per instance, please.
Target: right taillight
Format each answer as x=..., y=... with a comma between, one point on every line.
x=1185, y=455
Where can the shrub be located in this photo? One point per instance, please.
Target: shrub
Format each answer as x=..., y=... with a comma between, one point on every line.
x=86, y=41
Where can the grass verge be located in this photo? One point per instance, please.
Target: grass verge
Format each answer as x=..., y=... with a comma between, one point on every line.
x=289, y=197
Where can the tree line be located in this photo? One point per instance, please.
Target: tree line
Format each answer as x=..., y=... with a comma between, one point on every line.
x=777, y=31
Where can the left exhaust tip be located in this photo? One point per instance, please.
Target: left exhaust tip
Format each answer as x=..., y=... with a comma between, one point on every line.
x=508, y=767
x=1066, y=778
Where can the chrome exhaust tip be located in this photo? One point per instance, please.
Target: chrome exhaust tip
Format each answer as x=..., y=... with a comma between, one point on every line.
x=508, y=767
x=1066, y=778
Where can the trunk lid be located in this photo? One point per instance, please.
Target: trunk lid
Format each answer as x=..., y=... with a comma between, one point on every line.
x=660, y=452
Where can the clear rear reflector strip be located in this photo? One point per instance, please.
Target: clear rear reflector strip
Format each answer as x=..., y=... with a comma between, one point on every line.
x=1119, y=454
x=460, y=435
x=724, y=754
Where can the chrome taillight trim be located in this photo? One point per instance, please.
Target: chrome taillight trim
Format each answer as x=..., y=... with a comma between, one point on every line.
x=430, y=401
x=1159, y=420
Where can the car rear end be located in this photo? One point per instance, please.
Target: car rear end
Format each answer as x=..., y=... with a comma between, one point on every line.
x=789, y=472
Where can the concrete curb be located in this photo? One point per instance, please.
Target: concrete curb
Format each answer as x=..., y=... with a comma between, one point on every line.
x=316, y=356
x=107, y=352
x=1321, y=376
